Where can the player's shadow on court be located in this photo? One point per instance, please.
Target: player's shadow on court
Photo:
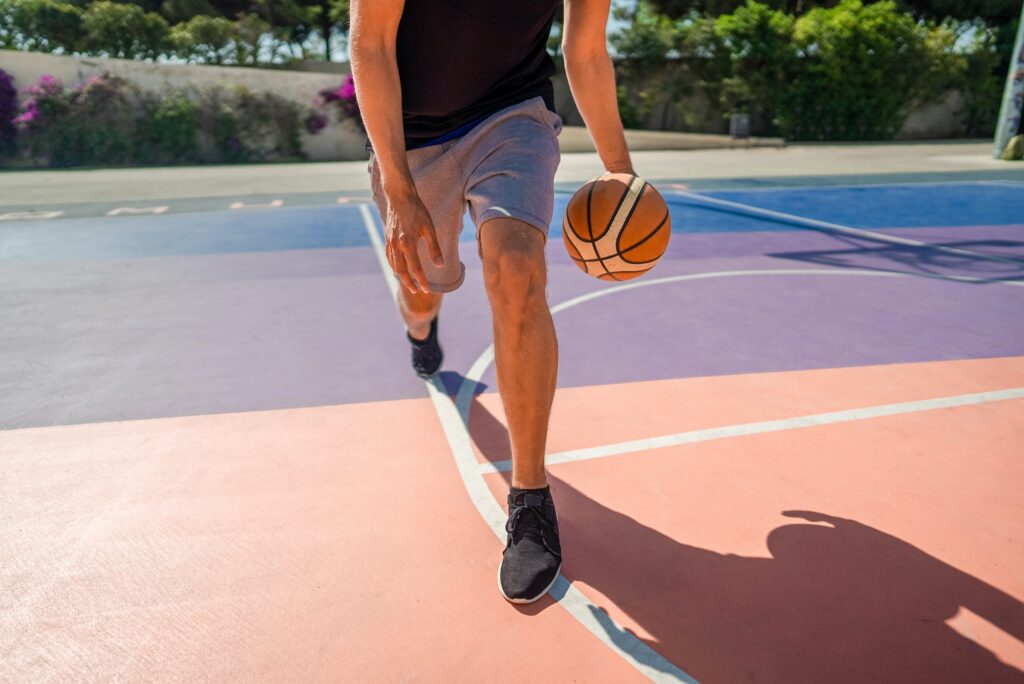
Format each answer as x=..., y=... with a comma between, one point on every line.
x=836, y=601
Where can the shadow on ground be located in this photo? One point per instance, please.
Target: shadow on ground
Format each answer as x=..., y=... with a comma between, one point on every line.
x=992, y=261
x=837, y=600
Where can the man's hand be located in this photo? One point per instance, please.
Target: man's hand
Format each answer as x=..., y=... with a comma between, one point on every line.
x=407, y=222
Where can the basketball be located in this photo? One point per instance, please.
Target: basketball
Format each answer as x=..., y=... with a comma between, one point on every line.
x=616, y=227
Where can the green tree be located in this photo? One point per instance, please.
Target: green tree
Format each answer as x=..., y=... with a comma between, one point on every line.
x=177, y=11
x=252, y=33
x=205, y=38
x=759, y=43
x=40, y=25
x=122, y=30
x=861, y=69
x=715, y=8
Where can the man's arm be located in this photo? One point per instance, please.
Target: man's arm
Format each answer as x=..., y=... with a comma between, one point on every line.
x=379, y=91
x=592, y=79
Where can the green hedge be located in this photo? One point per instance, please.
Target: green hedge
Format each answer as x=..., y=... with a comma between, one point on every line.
x=111, y=121
x=853, y=71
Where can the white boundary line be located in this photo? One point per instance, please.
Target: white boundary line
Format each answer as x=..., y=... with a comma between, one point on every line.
x=761, y=427
x=634, y=651
x=829, y=227
x=846, y=186
x=1003, y=183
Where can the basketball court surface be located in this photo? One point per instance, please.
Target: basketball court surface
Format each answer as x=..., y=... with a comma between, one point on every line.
x=792, y=452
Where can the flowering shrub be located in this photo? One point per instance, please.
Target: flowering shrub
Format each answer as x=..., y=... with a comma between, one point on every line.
x=108, y=120
x=342, y=99
x=316, y=122
x=8, y=111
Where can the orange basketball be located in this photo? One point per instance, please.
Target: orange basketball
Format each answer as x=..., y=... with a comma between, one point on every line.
x=616, y=227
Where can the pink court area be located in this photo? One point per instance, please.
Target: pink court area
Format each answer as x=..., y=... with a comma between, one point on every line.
x=339, y=543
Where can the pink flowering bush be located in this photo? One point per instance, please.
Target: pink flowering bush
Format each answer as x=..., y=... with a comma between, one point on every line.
x=108, y=120
x=342, y=99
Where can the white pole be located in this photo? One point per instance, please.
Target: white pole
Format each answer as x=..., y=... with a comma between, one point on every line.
x=1013, y=94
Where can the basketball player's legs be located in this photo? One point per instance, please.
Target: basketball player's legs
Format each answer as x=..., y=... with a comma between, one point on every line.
x=525, y=347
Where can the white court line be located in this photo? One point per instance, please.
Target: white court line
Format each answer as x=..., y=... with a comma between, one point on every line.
x=30, y=215
x=1004, y=183
x=829, y=227
x=137, y=210
x=467, y=391
x=274, y=204
x=597, y=622
x=761, y=427
x=464, y=398
x=848, y=186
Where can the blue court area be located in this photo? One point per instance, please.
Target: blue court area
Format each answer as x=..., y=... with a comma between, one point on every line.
x=930, y=205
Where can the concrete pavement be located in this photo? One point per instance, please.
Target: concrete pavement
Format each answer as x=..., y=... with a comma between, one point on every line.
x=23, y=190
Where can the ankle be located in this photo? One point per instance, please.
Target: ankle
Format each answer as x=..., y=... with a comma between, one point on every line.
x=419, y=332
x=529, y=485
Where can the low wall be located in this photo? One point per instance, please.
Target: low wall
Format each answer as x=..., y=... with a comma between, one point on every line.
x=338, y=141
x=344, y=141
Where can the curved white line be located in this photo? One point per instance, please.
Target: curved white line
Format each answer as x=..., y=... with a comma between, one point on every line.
x=455, y=421
x=464, y=398
x=631, y=649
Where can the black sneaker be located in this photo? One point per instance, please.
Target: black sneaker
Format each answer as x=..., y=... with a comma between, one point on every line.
x=533, y=554
x=426, y=354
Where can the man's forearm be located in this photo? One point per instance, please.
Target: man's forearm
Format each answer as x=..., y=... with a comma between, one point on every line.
x=592, y=80
x=379, y=92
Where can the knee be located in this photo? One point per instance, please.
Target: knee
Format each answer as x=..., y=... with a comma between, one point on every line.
x=514, y=270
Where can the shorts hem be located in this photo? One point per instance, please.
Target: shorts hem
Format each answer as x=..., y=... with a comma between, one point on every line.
x=490, y=214
x=438, y=288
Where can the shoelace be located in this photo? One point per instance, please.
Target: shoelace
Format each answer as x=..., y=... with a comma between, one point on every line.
x=543, y=526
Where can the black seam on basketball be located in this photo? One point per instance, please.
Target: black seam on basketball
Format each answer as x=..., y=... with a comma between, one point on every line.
x=622, y=253
x=572, y=227
x=569, y=243
x=590, y=193
x=618, y=205
x=634, y=273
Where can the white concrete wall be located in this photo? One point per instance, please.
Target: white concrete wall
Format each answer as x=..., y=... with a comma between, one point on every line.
x=336, y=142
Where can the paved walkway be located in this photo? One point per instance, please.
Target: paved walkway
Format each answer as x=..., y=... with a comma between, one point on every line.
x=28, y=189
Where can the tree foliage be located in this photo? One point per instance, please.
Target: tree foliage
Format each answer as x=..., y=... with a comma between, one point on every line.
x=41, y=25
x=993, y=12
x=117, y=29
x=198, y=30
x=847, y=72
x=209, y=39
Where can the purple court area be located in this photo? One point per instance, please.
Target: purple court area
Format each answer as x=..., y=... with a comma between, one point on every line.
x=145, y=317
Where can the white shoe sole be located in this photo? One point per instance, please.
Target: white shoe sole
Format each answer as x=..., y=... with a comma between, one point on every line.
x=535, y=598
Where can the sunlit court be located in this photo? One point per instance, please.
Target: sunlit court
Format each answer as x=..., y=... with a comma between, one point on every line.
x=792, y=449
x=545, y=341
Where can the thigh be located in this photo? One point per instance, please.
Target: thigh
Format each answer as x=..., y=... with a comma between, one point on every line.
x=513, y=164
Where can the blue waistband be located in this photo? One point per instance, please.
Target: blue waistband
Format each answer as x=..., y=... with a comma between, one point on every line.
x=457, y=133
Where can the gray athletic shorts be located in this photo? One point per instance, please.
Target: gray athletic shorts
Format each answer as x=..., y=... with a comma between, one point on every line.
x=504, y=167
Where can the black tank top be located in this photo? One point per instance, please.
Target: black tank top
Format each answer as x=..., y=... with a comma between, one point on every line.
x=460, y=60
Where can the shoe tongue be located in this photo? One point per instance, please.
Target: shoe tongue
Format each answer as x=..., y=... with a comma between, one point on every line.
x=529, y=499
